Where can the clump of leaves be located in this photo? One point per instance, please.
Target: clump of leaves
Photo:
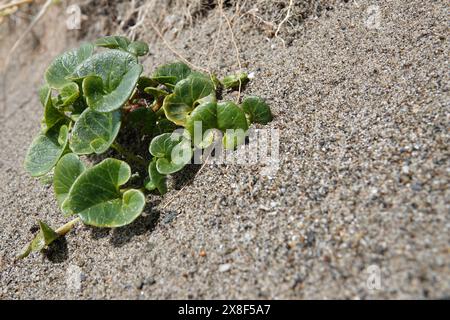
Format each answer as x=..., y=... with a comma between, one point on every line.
x=96, y=92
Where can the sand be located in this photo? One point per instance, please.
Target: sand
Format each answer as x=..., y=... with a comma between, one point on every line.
x=363, y=114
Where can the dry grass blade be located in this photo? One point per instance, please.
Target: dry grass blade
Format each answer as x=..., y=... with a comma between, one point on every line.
x=14, y=4
x=233, y=40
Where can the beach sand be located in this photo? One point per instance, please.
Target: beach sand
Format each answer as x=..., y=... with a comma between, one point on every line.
x=362, y=108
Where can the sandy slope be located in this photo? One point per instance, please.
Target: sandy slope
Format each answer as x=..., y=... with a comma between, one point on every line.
x=363, y=179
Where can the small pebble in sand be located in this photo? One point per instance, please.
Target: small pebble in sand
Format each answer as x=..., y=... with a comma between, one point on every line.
x=224, y=267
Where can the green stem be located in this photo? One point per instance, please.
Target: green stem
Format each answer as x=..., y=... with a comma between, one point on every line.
x=160, y=113
x=67, y=227
x=128, y=155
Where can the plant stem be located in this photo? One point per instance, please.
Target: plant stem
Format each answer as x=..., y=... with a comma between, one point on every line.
x=67, y=227
x=160, y=112
x=128, y=155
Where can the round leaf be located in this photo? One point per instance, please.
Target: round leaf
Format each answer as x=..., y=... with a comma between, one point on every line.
x=96, y=198
x=230, y=116
x=187, y=95
x=46, y=150
x=95, y=131
x=138, y=48
x=172, y=73
x=65, y=64
x=203, y=118
x=257, y=110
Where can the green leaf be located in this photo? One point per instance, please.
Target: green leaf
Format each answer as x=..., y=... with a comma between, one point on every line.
x=164, y=126
x=95, y=131
x=43, y=93
x=235, y=80
x=46, y=150
x=203, y=118
x=96, y=198
x=172, y=150
x=145, y=82
x=257, y=110
x=52, y=116
x=109, y=79
x=143, y=119
x=47, y=179
x=230, y=116
x=206, y=114
x=77, y=108
x=68, y=94
x=188, y=94
x=113, y=42
x=171, y=73
x=225, y=116
x=156, y=180
x=138, y=48
x=65, y=64
x=67, y=170
x=232, y=121
x=155, y=92
x=44, y=238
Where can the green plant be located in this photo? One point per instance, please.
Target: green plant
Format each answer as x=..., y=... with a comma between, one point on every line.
x=92, y=97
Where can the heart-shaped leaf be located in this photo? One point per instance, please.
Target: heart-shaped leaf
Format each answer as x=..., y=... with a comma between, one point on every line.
x=95, y=131
x=156, y=180
x=67, y=170
x=46, y=150
x=138, y=48
x=44, y=238
x=257, y=110
x=171, y=73
x=235, y=80
x=188, y=94
x=65, y=64
x=109, y=79
x=172, y=150
x=96, y=198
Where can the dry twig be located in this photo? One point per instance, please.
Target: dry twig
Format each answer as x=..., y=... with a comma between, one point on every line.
x=291, y=3
x=233, y=40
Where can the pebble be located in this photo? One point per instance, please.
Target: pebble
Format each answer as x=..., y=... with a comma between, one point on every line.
x=224, y=267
